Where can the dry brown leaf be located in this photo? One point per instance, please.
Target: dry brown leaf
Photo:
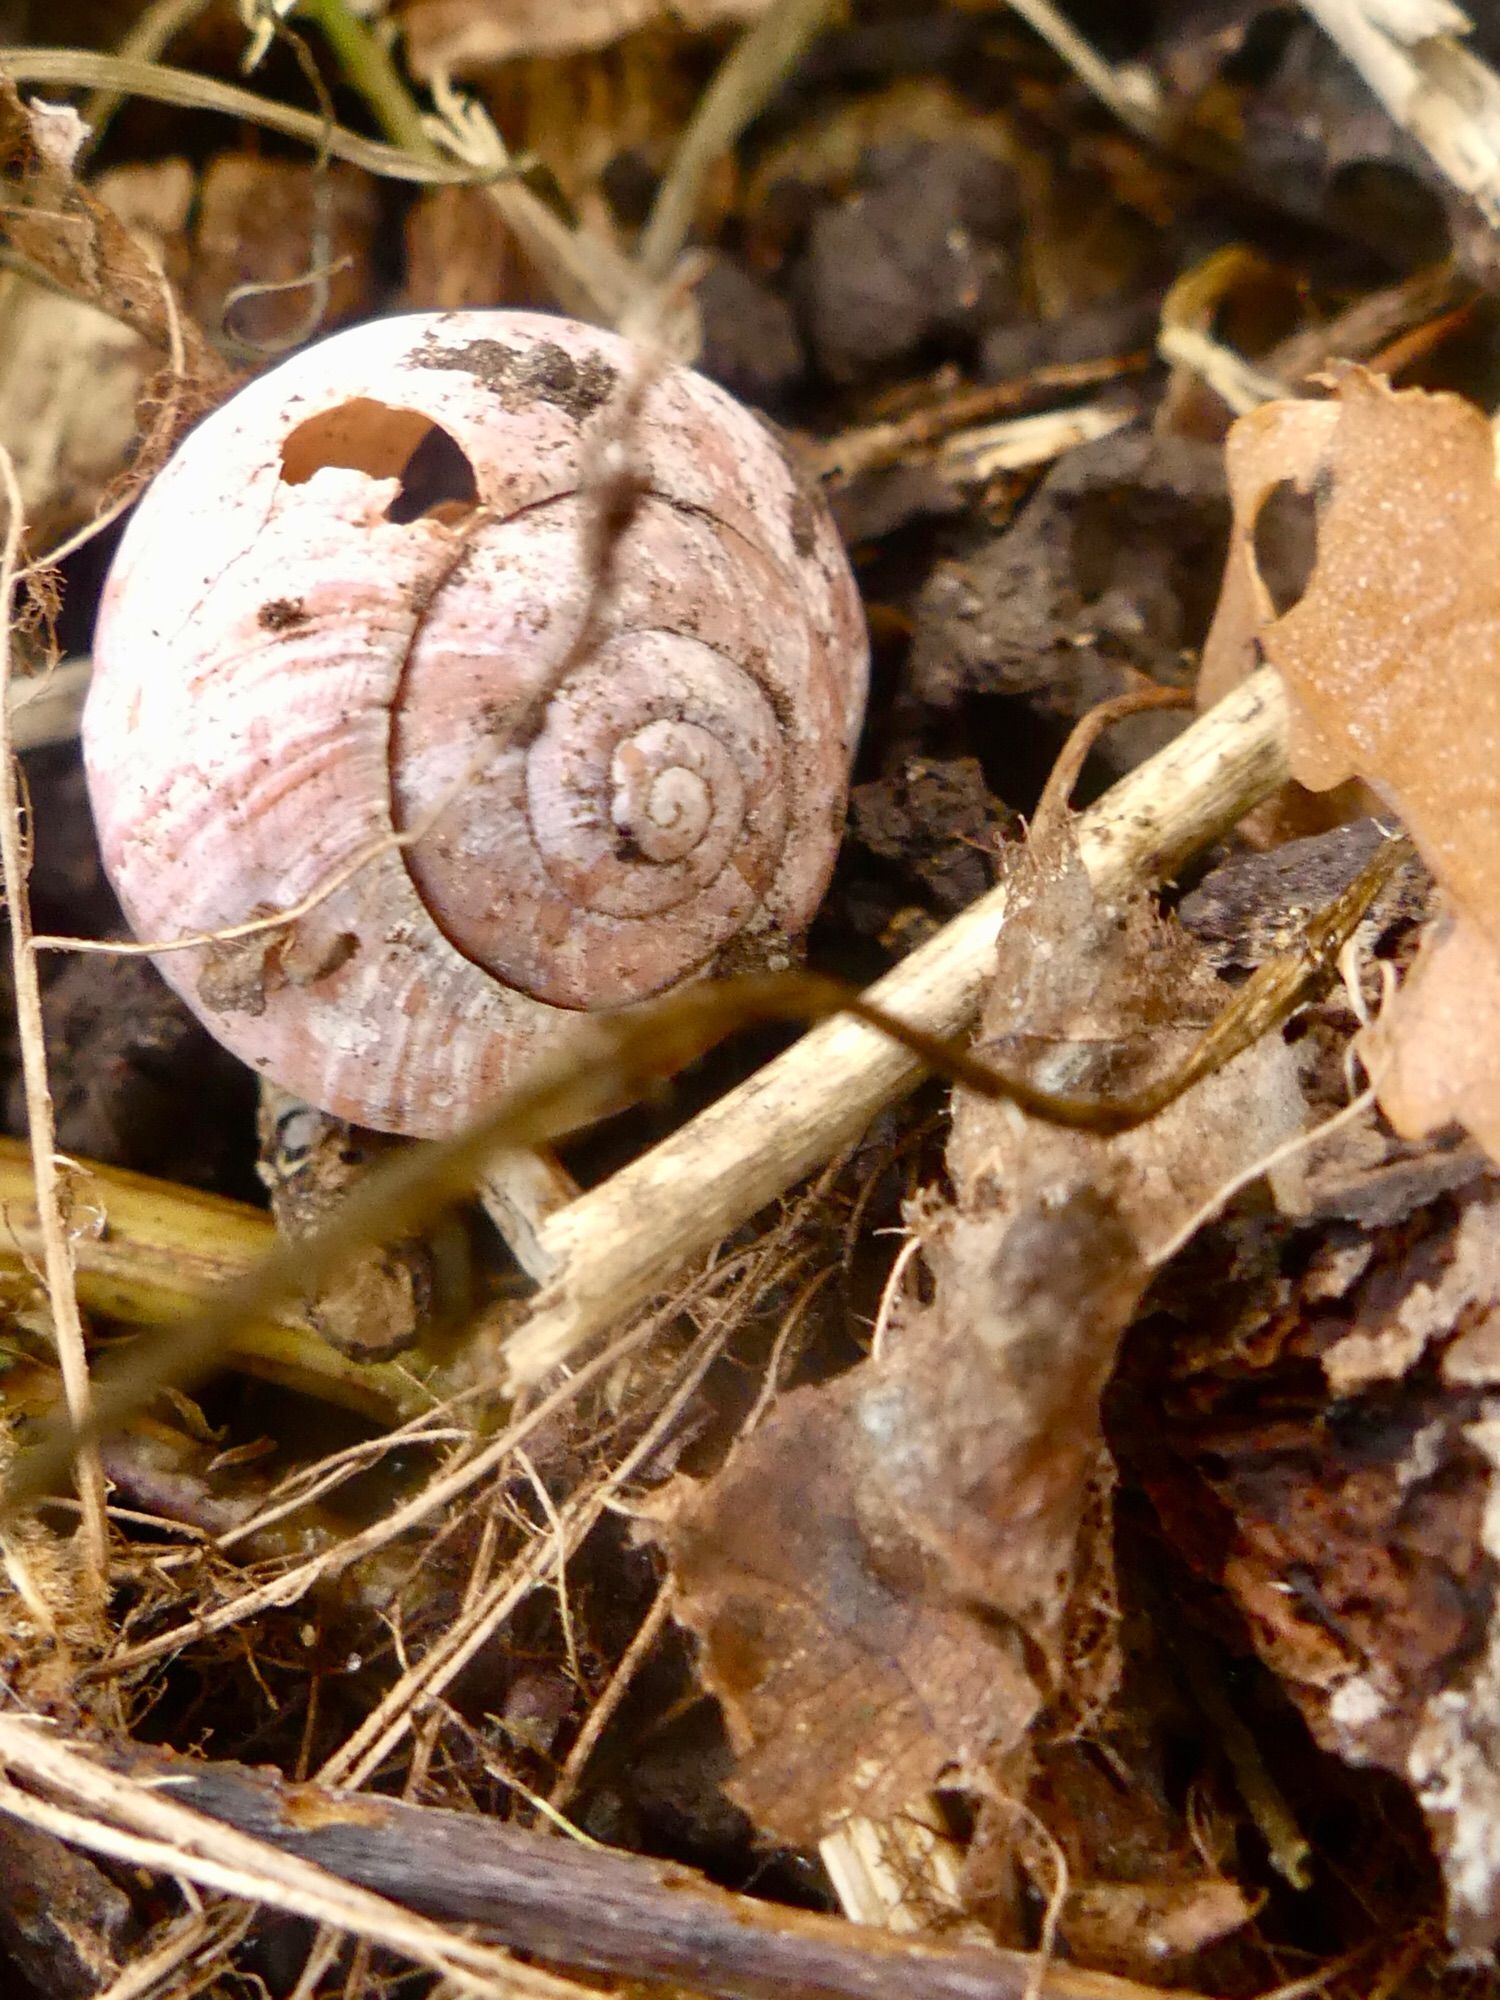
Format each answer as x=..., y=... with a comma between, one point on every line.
x=848, y=1677
x=106, y=371
x=883, y=1580
x=1390, y=657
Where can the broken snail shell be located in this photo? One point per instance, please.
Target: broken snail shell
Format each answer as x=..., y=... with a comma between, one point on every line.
x=357, y=603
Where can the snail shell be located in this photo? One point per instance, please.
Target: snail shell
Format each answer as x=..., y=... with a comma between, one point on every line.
x=358, y=602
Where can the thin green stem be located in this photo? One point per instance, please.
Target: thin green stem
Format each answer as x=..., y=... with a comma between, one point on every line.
x=367, y=66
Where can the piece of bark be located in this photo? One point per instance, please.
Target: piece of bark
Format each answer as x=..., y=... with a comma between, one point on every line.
x=1255, y=904
x=591, y=1909
x=1334, y=1465
x=63, y=1923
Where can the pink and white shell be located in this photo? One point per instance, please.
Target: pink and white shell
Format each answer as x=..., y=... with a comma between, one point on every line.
x=350, y=607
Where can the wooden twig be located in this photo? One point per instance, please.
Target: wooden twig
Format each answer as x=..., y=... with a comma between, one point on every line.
x=589, y=1908
x=188, y=1958
x=41, y=1124
x=1130, y=91
x=122, y=1815
x=610, y=1250
x=147, y=1251
x=872, y=447
x=1409, y=53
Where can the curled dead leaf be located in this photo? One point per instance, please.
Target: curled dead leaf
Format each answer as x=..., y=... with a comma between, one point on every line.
x=1390, y=657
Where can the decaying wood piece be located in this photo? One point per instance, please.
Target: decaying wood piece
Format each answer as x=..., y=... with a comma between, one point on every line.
x=589, y=1908
x=613, y=1247
x=1349, y=1504
x=64, y=1925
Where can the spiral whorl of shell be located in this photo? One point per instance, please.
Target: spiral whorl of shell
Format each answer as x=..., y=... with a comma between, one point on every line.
x=547, y=651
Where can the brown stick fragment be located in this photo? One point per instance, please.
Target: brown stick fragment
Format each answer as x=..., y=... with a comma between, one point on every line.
x=591, y=1908
x=873, y=446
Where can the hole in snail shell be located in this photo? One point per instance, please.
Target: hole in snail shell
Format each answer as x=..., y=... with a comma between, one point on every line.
x=437, y=482
x=437, y=478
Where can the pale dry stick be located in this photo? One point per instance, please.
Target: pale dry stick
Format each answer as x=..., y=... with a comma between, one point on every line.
x=614, y=1247
x=1186, y=339
x=135, y=1821
x=1130, y=91
x=897, y=1874
x=890, y=1292
x=1237, y=382
x=1409, y=53
x=874, y=447
x=520, y=1189
x=1018, y=443
x=57, y=1253
x=561, y=1551
x=189, y=91
x=321, y=1954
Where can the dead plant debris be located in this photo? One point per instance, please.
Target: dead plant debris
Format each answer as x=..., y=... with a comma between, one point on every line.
x=1046, y=1514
